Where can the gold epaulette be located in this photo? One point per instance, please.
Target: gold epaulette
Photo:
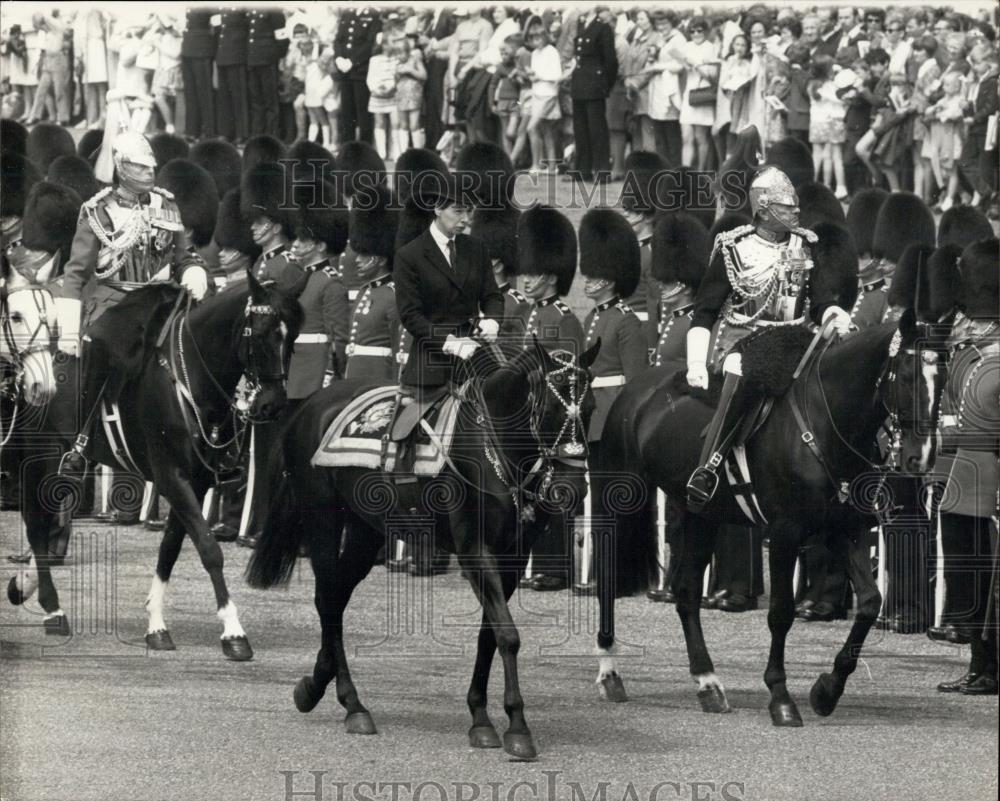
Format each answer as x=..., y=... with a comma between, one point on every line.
x=806, y=234
x=727, y=238
x=92, y=203
x=517, y=295
x=332, y=271
x=623, y=307
x=165, y=193
x=562, y=307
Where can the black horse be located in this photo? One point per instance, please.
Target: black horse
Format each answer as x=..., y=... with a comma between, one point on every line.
x=507, y=464
x=813, y=466
x=182, y=423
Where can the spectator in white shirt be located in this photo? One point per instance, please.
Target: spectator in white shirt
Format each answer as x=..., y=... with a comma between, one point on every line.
x=545, y=74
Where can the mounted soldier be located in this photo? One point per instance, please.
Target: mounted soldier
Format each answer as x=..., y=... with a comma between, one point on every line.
x=127, y=236
x=758, y=277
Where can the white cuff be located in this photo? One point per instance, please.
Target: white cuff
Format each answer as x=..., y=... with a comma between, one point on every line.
x=698, y=339
x=68, y=311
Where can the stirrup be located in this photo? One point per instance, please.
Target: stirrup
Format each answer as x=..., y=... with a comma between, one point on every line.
x=72, y=464
x=698, y=496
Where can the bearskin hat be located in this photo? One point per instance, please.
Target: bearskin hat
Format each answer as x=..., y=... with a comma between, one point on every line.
x=697, y=195
x=77, y=174
x=232, y=229
x=373, y=223
x=322, y=221
x=411, y=166
x=47, y=142
x=727, y=222
x=221, y=160
x=13, y=137
x=196, y=196
x=89, y=145
x=681, y=248
x=498, y=229
x=639, y=191
x=904, y=219
x=167, y=147
x=909, y=288
x=261, y=148
x=546, y=243
x=413, y=220
x=358, y=166
x=963, y=225
x=794, y=159
x=944, y=280
x=980, y=297
x=50, y=217
x=485, y=170
x=264, y=193
x=861, y=217
x=17, y=176
x=817, y=204
x=609, y=249
x=835, y=263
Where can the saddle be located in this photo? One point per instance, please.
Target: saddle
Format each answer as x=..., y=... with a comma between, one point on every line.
x=413, y=412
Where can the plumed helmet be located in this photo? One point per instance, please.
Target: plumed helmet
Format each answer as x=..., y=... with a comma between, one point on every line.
x=50, y=217
x=232, y=229
x=221, y=160
x=963, y=225
x=195, y=194
x=546, y=244
x=46, y=142
x=262, y=148
x=862, y=215
x=325, y=222
x=639, y=189
x=77, y=174
x=771, y=186
x=904, y=219
x=609, y=249
x=17, y=176
x=681, y=248
x=485, y=170
x=794, y=159
x=373, y=223
x=498, y=230
x=980, y=298
x=134, y=148
x=167, y=147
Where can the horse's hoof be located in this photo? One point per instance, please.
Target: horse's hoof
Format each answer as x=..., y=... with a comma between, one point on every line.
x=612, y=688
x=359, y=723
x=306, y=694
x=520, y=747
x=160, y=641
x=484, y=737
x=57, y=626
x=14, y=595
x=237, y=649
x=825, y=694
x=784, y=713
x=713, y=699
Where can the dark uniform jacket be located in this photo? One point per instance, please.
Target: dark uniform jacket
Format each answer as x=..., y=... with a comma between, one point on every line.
x=355, y=39
x=515, y=308
x=199, y=37
x=263, y=49
x=596, y=62
x=872, y=302
x=555, y=326
x=645, y=300
x=323, y=335
x=621, y=358
x=373, y=341
x=163, y=246
x=279, y=267
x=233, y=32
x=435, y=299
x=675, y=320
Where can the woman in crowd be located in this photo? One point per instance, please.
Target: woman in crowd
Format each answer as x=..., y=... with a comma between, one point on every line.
x=410, y=77
x=636, y=71
x=697, y=115
x=732, y=102
x=926, y=84
x=665, y=88
x=826, y=125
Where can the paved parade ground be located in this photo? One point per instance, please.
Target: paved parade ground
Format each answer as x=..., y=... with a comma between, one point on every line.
x=97, y=717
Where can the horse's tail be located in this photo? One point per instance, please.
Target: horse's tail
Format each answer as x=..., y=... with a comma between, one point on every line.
x=629, y=496
x=273, y=560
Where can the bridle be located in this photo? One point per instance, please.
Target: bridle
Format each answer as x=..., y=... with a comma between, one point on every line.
x=39, y=340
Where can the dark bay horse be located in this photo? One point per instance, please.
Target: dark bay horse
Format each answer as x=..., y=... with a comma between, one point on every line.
x=813, y=466
x=181, y=420
x=507, y=464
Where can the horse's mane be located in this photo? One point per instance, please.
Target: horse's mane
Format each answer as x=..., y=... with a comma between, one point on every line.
x=233, y=301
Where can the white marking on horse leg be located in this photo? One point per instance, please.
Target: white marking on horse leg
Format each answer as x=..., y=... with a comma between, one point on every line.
x=930, y=372
x=606, y=662
x=58, y=613
x=154, y=606
x=230, y=622
x=27, y=579
x=707, y=680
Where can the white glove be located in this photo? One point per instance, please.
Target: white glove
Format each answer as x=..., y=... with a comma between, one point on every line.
x=68, y=314
x=697, y=356
x=195, y=281
x=343, y=64
x=489, y=329
x=841, y=319
x=462, y=347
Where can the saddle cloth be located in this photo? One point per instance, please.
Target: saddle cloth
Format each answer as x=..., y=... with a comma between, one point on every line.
x=354, y=437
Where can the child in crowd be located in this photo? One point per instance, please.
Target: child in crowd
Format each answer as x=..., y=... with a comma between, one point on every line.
x=167, y=87
x=826, y=125
x=505, y=91
x=320, y=92
x=382, y=85
x=293, y=76
x=522, y=63
x=545, y=74
x=943, y=145
x=411, y=75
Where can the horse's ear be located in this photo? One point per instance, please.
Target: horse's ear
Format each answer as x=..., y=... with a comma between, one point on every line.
x=590, y=355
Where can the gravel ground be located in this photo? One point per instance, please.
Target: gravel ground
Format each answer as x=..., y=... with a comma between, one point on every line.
x=97, y=717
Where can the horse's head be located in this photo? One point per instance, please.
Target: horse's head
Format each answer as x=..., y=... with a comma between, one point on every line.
x=911, y=390
x=28, y=317
x=271, y=323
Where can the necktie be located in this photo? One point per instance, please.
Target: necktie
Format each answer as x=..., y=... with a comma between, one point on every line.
x=451, y=253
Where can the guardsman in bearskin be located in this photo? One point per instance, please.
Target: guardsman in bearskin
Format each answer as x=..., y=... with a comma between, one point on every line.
x=903, y=220
x=128, y=235
x=970, y=442
x=320, y=238
x=234, y=240
x=680, y=250
x=51, y=212
x=498, y=229
x=759, y=275
x=359, y=168
x=870, y=305
x=17, y=176
x=262, y=195
x=197, y=198
x=373, y=343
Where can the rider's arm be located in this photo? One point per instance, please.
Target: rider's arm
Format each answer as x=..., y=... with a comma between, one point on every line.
x=712, y=294
x=408, y=302
x=336, y=319
x=82, y=259
x=490, y=297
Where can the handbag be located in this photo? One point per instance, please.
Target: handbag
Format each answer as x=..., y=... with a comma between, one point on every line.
x=702, y=96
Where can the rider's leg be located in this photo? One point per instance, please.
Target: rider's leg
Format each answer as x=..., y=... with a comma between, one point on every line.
x=94, y=371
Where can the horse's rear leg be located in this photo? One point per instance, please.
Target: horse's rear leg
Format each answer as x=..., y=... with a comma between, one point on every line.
x=609, y=680
x=696, y=541
x=337, y=571
x=828, y=688
x=783, y=554
x=157, y=634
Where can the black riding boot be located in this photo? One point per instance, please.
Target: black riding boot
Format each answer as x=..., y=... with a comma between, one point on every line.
x=705, y=480
x=94, y=370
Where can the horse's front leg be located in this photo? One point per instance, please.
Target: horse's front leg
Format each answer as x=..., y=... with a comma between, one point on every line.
x=157, y=634
x=185, y=504
x=609, y=680
x=783, y=554
x=828, y=688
